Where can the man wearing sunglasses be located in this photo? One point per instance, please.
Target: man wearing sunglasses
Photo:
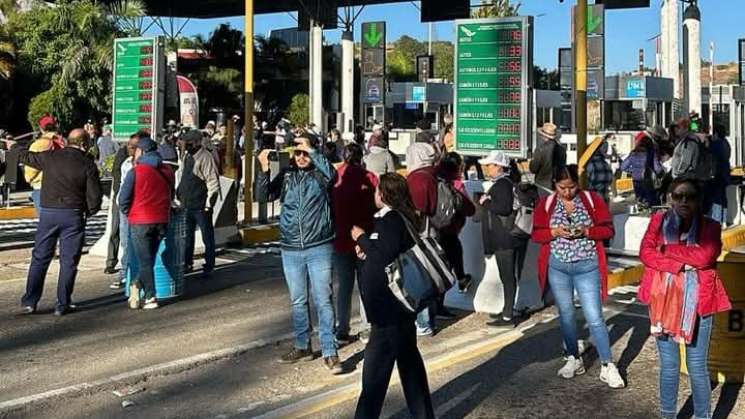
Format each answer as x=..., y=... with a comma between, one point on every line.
x=307, y=235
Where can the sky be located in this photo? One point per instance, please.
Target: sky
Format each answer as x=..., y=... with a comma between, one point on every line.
x=626, y=30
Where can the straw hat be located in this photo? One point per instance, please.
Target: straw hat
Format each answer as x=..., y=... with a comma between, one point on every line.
x=548, y=130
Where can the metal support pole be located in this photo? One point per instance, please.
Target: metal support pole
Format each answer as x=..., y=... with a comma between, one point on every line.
x=580, y=78
x=248, y=103
x=230, y=170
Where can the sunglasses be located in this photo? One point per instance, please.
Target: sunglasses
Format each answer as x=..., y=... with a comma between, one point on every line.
x=299, y=153
x=679, y=196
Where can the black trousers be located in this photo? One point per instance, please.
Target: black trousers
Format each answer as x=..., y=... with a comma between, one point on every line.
x=506, y=264
x=453, y=252
x=386, y=346
x=112, y=257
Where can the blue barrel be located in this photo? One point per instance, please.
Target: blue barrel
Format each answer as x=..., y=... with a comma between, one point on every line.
x=169, y=263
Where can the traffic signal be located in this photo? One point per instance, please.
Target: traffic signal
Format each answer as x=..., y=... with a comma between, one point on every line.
x=437, y=10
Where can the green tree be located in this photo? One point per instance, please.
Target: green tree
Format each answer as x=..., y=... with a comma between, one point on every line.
x=545, y=79
x=299, y=110
x=65, y=53
x=8, y=61
x=496, y=8
x=444, y=53
x=401, y=60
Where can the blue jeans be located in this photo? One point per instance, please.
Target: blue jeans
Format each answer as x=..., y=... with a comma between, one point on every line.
x=718, y=213
x=697, y=355
x=584, y=276
x=36, y=197
x=145, y=241
x=347, y=268
x=124, y=244
x=314, y=264
x=203, y=219
x=67, y=226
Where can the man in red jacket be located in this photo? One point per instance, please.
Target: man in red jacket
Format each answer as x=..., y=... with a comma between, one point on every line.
x=145, y=197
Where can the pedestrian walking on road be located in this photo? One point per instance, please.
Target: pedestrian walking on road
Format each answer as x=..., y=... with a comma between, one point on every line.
x=119, y=231
x=70, y=193
x=497, y=222
x=197, y=192
x=646, y=170
x=145, y=197
x=571, y=225
x=599, y=172
x=682, y=287
x=106, y=147
x=393, y=334
x=353, y=198
x=549, y=156
x=306, y=238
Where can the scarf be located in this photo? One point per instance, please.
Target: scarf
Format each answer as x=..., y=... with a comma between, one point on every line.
x=674, y=297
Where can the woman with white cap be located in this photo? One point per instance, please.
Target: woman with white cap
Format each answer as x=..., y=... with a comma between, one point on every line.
x=495, y=213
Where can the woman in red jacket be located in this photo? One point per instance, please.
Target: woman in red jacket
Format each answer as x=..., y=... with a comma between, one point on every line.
x=571, y=225
x=683, y=290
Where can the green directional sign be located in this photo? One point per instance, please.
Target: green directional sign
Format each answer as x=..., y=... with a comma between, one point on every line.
x=373, y=35
x=596, y=19
x=492, y=85
x=137, y=71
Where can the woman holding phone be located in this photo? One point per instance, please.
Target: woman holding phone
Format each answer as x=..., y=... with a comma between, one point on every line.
x=571, y=225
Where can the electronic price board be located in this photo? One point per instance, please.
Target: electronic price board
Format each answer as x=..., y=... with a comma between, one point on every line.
x=493, y=77
x=137, y=77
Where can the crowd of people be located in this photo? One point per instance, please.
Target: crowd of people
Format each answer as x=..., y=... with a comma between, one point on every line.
x=347, y=215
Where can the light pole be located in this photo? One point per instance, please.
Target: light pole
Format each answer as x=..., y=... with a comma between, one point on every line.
x=248, y=103
x=580, y=78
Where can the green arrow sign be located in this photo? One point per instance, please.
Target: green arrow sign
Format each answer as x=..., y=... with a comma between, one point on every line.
x=373, y=36
x=594, y=20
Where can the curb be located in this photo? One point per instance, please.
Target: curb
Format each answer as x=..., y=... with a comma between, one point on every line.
x=17, y=213
x=474, y=349
x=135, y=376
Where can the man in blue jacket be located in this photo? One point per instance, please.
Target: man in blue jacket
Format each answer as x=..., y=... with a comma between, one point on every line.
x=307, y=235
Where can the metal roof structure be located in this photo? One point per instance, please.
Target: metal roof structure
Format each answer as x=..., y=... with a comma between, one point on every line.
x=202, y=9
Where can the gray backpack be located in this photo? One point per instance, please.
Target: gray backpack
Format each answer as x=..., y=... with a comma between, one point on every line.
x=449, y=202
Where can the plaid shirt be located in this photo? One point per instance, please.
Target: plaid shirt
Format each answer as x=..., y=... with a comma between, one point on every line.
x=599, y=174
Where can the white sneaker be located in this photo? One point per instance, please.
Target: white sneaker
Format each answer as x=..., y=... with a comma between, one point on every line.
x=150, y=304
x=609, y=375
x=574, y=366
x=134, y=296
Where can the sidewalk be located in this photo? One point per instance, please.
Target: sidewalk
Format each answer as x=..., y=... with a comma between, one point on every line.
x=474, y=371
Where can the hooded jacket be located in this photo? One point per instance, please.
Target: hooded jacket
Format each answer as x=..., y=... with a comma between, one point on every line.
x=422, y=178
x=305, y=195
x=145, y=195
x=353, y=198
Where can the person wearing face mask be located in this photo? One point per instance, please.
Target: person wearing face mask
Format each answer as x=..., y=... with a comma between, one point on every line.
x=70, y=194
x=306, y=239
x=683, y=290
x=197, y=192
x=570, y=225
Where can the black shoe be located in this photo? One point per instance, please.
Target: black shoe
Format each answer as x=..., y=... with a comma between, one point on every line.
x=443, y=313
x=110, y=271
x=333, y=364
x=343, y=340
x=206, y=270
x=28, y=309
x=296, y=355
x=60, y=311
x=464, y=283
x=501, y=322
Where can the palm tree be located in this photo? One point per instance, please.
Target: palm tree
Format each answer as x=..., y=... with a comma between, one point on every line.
x=496, y=8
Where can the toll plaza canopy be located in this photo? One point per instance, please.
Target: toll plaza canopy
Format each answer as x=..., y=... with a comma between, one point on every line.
x=222, y=8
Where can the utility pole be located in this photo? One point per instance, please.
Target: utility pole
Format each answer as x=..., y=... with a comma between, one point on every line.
x=711, y=87
x=580, y=78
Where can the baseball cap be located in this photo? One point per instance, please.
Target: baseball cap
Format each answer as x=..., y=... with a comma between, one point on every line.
x=495, y=157
x=46, y=121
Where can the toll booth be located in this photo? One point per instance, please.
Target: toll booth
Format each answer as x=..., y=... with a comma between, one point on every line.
x=408, y=103
x=728, y=104
x=635, y=102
